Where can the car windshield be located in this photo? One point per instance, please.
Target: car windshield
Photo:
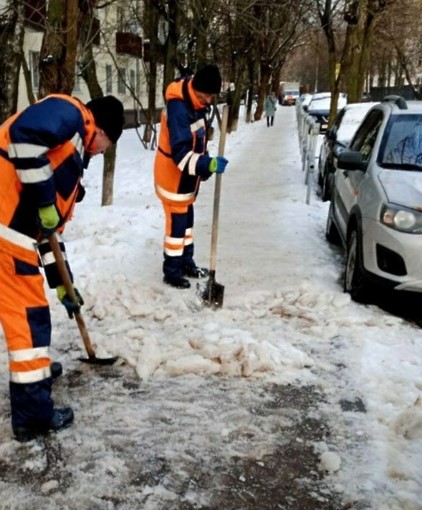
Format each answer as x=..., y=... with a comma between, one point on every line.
x=351, y=120
x=401, y=146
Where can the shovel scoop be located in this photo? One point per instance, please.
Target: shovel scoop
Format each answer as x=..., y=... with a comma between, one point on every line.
x=213, y=294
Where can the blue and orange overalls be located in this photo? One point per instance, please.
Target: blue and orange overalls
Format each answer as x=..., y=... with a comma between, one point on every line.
x=42, y=158
x=181, y=162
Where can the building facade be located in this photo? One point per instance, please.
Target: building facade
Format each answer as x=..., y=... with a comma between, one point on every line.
x=118, y=50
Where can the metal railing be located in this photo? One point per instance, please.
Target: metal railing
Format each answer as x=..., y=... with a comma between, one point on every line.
x=308, y=129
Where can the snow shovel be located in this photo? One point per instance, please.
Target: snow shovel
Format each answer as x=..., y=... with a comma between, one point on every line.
x=70, y=291
x=214, y=292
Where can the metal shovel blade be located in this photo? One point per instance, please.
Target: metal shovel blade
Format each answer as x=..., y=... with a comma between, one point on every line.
x=93, y=360
x=213, y=294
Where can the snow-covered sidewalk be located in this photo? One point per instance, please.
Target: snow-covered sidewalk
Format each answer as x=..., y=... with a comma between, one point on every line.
x=200, y=396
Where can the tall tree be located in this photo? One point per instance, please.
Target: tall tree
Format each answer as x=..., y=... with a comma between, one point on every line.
x=88, y=70
x=11, y=43
x=59, y=47
x=348, y=28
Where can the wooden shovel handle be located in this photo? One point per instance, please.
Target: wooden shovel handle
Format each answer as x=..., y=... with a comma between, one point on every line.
x=70, y=291
x=217, y=191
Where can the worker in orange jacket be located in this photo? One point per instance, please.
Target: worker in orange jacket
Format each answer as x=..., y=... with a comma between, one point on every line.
x=43, y=152
x=181, y=163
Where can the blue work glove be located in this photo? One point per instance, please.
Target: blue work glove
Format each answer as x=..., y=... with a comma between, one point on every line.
x=71, y=306
x=49, y=219
x=218, y=165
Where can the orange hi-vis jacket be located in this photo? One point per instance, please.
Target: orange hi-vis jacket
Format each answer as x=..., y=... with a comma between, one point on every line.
x=42, y=159
x=181, y=160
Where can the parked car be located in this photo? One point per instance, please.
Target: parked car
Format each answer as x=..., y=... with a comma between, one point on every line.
x=319, y=107
x=305, y=99
x=336, y=139
x=376, y=204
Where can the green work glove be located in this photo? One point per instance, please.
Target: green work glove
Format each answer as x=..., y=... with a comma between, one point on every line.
x=66, y=301
x=217, y=164
x=49, y=219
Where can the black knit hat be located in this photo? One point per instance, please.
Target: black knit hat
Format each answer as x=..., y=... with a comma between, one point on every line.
x=207, y=80
x=109, y=115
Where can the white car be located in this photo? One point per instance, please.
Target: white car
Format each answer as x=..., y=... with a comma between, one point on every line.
x=319, y=107
x=376, y=202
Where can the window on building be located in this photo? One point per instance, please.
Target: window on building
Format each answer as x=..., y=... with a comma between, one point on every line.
x=34, y=59
x=109, y=79
x=121, y=81
x=132, y=80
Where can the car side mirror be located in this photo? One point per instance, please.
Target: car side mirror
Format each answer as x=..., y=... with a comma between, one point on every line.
x=330, y=134
x=351, y=160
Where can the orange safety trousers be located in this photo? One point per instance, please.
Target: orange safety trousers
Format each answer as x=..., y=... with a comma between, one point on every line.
x=26, y=322
x=178, y=239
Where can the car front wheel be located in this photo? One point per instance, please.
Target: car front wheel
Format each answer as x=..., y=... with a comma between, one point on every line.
x=331, y=233
x=355, y=281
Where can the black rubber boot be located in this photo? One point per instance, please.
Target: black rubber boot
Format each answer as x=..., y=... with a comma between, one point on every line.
x=61, y=419
x=196, y=272
x=177, y=282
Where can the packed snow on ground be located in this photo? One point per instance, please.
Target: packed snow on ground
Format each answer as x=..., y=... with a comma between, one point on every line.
x=285, y=320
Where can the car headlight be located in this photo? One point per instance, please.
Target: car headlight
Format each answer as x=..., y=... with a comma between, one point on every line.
x=401, y=218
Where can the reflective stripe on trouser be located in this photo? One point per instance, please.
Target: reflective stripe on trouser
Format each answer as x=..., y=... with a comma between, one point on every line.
x=178, y=239
x=25, y=317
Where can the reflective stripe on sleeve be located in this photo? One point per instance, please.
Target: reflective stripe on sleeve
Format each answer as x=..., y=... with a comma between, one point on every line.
x=31, y=376
x=17, y=238
x=176, y=197
x=184, y=161
x=192, y=163
x=26, y=150
x=78, y=143
x=29, y=354
x=35, y=175
x=200, y=123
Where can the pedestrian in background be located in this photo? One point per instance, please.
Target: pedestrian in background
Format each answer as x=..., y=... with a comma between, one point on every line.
x=181, y=163
x=270, y=107
x=43, y=152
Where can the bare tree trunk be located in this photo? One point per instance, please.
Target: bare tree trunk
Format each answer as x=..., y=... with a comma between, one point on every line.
x=89, y=74
x=171, y=61
x=59, y=47
x=108, y=175
x=150, y=22
x=27, y=78
x=262, y=90
x=11, y=44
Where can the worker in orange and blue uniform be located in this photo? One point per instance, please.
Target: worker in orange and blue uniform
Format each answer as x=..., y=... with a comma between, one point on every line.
x=43, y=152
x=181, y=163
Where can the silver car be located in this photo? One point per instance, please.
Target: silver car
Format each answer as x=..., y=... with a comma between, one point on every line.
x=335, y=140
x=376, y=205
